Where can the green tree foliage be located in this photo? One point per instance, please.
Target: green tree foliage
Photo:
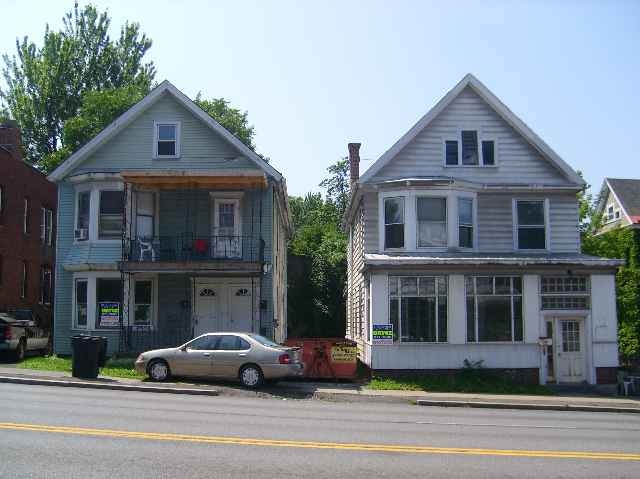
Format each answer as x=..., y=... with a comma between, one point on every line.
x=232, y=119
x=98, y=110
x=46, y=84
x=317, y=260
x=622, y=243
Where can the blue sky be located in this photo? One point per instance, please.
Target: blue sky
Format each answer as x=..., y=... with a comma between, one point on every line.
x=316, y=75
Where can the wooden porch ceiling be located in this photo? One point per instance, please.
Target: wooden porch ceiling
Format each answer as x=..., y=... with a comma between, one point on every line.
x=180, y=179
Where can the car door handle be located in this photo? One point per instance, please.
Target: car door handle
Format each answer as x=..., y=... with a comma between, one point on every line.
x=242, y=355
x=206, y=354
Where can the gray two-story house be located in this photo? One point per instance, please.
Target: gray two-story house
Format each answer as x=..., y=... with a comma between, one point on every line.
x=463, y=244
x=168, y=227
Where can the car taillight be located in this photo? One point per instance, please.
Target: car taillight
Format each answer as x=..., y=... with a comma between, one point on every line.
x=7, y=333
x=284, y=359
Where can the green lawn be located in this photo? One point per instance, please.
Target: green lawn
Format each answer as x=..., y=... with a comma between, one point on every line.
x=463, y=382
x=117, y=368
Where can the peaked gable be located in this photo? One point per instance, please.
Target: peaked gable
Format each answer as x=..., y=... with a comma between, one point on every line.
x=231, y=145
x=522, y=156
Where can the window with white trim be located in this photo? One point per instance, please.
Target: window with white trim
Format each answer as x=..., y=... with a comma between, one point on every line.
x=469, y=149
x=110, y=221
x=394, y=222
x=494, y=308
x=83, y=211
x=431, y=214
x=143, y=302
x=565, y=292
x=80, y=304
x=167, y=140
x=46, y=226
x=108, y=292
x=530, y=224
x=465, y=222
x=418, y=308
x=145, y=214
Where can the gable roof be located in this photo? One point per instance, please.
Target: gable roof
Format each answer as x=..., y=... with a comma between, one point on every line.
x=626, y=191
x=136, y=110
x=500, y=108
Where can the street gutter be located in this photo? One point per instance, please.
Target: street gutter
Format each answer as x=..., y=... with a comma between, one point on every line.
x=526, y=406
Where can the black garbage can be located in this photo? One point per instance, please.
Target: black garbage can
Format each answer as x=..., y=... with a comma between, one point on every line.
x=102, y=356
x=85, y=356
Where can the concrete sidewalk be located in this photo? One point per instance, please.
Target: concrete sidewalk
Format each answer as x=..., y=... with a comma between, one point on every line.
x=328, y=391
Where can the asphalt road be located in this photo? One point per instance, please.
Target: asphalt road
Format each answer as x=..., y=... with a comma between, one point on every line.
x=53, y=432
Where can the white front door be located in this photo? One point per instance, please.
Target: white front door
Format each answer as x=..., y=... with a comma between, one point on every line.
x=207, y=309
x=570, y=364
x=224, y=306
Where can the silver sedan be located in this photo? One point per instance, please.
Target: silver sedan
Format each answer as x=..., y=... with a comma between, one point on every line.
x=249, y=357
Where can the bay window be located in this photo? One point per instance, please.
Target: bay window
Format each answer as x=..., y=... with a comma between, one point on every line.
x=110, y=221
x=394, y=222
x=432, y=221
x=418, y=308
x=494, y=308
x=531, y=230
x=465, y=222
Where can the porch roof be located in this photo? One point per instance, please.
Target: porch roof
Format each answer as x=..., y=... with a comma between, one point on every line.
x=479, y=259
x=180, y=179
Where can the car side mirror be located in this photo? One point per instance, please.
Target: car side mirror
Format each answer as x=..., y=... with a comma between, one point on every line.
x=183, y=348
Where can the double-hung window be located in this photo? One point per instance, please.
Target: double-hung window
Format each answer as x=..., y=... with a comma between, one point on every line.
x=418, y=308
x=145, y=213
x=469, y=149
x=494, y=308
x=108, y=302
x=110, y=223
x=82, y=216
x=143, y=302
x=432, y=222
x=465, y=222
x=394, y=222
x=167, y=140
x=530, y=224
x=46, y=226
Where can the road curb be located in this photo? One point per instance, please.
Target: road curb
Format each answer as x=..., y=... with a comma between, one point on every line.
x=113, y=387
x=527, y=406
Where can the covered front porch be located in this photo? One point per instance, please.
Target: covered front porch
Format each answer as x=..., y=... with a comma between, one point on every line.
x=168, y=309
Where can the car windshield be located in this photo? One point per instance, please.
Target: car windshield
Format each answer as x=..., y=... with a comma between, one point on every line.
x=265, y=341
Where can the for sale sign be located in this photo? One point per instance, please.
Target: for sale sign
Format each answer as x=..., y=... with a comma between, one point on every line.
x=382, y=334
x=109, y=314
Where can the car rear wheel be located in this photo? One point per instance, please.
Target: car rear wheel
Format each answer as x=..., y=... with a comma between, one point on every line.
x=251, y=376
x=158, y=370
x=20, y=350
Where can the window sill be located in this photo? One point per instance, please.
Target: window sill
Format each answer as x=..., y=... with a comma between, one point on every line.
x=158, y=157
x=496, y=343
x=471, y=166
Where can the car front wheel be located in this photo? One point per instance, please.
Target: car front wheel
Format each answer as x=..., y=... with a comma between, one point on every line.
x=251, y=376
x=20, y=351
x=159, y=370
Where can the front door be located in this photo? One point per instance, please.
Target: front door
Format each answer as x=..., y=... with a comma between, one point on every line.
x=227, y=242
x=240, y=317
x=570, y=364
x=207, y=309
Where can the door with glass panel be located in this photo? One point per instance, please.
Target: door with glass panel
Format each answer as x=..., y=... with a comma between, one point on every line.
x=227, y=242
x=570, y=350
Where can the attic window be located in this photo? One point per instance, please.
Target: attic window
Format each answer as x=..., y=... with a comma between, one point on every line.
x=167, y=140
x=469, y=149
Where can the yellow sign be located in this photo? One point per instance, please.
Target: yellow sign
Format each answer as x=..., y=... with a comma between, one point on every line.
x=344, y=353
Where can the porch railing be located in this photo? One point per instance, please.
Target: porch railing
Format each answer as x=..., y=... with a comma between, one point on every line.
x=194, y=248
x=137, y=339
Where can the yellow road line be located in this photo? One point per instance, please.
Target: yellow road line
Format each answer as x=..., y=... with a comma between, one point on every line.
x=229, y=440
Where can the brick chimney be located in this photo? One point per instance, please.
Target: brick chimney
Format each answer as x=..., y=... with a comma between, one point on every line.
x=10, y=138
x=354, y=161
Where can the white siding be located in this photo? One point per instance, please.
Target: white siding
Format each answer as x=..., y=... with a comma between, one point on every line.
x=518, y=162
x=604, y=320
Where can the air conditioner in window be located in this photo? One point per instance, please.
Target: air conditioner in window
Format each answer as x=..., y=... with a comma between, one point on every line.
x=82, y=234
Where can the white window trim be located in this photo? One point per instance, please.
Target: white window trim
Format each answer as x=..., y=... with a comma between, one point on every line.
x=74, y=323
x=547, y=226
x=405, y=209
x=154, y=301
x=474, y=225
x=94, y=190
x=91, y=277
x=481, y=137
x=411, y=219
x=237, y=220
x=447, y=220
x=133, y=222
x=156, y=124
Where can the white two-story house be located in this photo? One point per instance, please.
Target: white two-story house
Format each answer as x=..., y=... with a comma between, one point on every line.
x=463, y=243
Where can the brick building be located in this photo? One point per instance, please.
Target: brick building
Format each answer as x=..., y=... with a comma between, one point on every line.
x=27, y=230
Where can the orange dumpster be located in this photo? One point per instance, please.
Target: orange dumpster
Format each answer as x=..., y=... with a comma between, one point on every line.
x=327, y=357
